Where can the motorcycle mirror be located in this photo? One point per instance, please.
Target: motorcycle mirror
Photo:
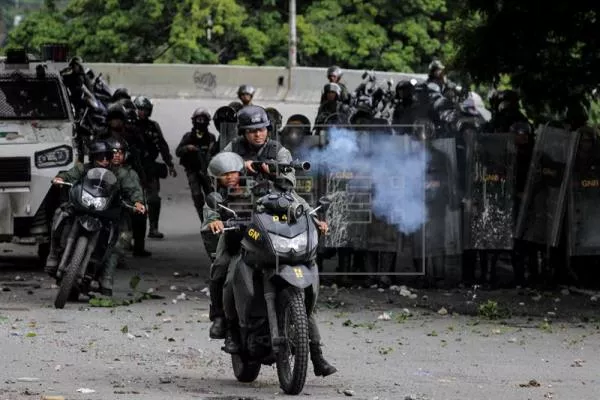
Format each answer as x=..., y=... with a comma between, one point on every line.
x=413, y=82
x=390, y=83
x=214, y=199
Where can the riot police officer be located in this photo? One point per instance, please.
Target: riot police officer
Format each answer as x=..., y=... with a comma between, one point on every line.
x=156, y=144
x=246, y=94
x=436, y=74
x=332, y=104
x=334, y=75
x=119, y=126
x=253, y=144
x=195, y=150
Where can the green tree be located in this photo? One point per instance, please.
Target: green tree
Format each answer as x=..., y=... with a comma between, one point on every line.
x=552, y=59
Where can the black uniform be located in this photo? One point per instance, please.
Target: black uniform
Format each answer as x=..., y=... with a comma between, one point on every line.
x=196, y=162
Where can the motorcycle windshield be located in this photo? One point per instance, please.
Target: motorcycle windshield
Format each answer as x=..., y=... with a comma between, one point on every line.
x=100, y=182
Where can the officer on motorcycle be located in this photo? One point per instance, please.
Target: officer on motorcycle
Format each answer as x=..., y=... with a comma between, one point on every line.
x=156, y=144
x=226, y=168
x=436, y=74
x=334, y=75
x=100, y=154
x=119, y=126
x=246, y=94
x=195, y=150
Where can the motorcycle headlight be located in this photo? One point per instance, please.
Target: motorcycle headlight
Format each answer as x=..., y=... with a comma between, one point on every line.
x=55, y=157
x=284, y=245
x=98, y=203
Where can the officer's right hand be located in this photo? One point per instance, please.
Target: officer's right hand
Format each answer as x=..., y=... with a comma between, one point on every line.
x=216, y=227
x=58, y=181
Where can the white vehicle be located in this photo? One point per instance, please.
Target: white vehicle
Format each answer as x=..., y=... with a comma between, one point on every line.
x=36, y=143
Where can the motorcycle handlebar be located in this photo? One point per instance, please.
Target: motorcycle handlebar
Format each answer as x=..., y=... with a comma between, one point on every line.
x=230, y=225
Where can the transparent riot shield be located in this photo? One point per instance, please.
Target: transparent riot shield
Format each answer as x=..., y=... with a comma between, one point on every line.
x=225, y=121
x=583, y=213
x=543, y=205
x=489, y=192
x=440, y=235
x=367, y=172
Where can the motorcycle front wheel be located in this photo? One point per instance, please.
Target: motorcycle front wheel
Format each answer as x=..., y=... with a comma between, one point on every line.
x=244, y=371
x=292, y=359
x=69, y=278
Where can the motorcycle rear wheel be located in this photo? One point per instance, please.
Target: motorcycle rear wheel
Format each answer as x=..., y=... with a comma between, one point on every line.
x=244, y=371
x=293, y=325
x=70, y=276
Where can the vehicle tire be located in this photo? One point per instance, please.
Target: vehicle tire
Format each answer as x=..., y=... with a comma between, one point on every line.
x=293, y=326
x=244, y=371
x=67, y=282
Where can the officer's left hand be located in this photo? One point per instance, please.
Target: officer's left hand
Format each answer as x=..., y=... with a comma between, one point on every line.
x=172, y=172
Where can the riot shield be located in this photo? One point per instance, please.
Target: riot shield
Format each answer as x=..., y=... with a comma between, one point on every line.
x=369, y=190
x=440, y=235
x=296, y=137
x=543, y=205
x=490, y=183
x=583, y=213
x=225, y=121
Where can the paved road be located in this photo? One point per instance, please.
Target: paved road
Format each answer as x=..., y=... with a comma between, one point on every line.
x=127, y=352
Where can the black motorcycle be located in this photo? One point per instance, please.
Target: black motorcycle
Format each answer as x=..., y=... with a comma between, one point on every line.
x=88, y=234
x=273, y=285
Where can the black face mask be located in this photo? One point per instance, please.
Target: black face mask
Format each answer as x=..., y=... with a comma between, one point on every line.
x=200, y=126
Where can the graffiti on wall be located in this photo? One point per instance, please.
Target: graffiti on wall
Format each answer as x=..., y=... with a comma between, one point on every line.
x=206, y=81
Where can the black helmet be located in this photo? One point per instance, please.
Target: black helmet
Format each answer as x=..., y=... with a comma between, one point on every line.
x=130, y=109
x=121, y=93
x=201, y=112
x=236, y=105
x=332, y=87
x=404, y=86
x=100, y=148
x=143, y=103
x=246, y=89
x=117, y=144
x=200, y=118
x=252, y=117
x=116, y=111
x=334, y=70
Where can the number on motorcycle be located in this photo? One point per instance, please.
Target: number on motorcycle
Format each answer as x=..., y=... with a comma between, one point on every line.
x=299, y=273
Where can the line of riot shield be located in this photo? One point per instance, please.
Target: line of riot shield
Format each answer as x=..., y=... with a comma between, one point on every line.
x=490, y=189
x=225, y=120
x=583, y=213
x=543, y=205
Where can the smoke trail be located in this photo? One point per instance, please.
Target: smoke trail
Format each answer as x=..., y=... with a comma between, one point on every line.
x=396, y=166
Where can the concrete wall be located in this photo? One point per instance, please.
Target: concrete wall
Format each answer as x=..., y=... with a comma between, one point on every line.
x=301, y=85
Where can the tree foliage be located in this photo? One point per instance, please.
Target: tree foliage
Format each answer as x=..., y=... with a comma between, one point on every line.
x=550, y=50
x=378, y=34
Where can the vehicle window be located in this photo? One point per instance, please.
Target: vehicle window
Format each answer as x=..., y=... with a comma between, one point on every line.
x=31, y=98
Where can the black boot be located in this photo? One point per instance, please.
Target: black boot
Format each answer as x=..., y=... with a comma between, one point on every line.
x=232, y=340
x=320, y=365
x=153, y=217
x=52, y=261
x=216, y=314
